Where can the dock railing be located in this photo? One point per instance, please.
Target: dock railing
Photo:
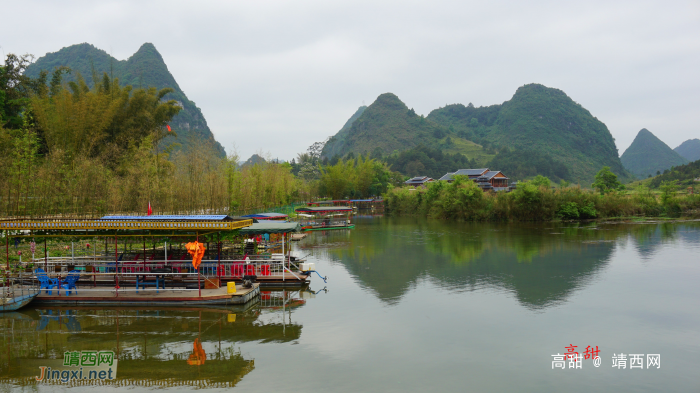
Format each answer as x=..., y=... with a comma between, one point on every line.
x=177, y=273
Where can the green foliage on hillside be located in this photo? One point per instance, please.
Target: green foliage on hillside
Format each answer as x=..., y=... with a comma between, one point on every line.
x=682, y=175
x=426, y=161
x=458, y=145
x=538, y=118
x=524, y=164
x=145, y=68
x=467, y=121
x=690, y=150
x=336, y=144
x=386, y=125
x=648, y=154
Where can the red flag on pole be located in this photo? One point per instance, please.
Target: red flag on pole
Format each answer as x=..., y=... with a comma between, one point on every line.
x=168, y=126
x=150, y=211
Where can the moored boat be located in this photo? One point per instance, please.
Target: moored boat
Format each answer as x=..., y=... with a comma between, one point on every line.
x=324, y=218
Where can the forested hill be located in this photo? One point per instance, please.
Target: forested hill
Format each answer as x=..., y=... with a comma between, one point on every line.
x=145, y=68
x=541, y=119
x=648, y=155
x=386, y=125
x=336, y=145
x=687, y=175
x=690, y=149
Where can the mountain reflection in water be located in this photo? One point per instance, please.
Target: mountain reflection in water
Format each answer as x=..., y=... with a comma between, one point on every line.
x=541, y=263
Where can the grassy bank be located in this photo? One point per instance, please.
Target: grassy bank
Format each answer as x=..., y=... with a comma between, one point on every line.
x=464, y=200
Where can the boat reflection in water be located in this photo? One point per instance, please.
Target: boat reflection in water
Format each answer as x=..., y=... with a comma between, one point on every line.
x=154, y=347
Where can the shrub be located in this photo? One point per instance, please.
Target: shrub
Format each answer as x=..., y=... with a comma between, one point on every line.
x=569, y=211
x=588, y=211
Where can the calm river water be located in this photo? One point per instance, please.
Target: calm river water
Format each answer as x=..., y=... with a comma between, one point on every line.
x=414, y=305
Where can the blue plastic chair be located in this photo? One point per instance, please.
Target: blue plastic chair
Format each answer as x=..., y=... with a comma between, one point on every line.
x=70, y=281
x=45, y=282
x=112, y=266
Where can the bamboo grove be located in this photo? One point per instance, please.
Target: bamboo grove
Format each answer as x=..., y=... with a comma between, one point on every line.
x=71, y=149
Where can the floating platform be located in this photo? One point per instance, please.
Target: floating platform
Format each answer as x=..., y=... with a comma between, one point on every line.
x=328, y=228
x=277, y=281
x=295, y=237
x=148, y=297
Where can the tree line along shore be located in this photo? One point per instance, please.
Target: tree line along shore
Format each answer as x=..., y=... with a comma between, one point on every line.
x=74, y=148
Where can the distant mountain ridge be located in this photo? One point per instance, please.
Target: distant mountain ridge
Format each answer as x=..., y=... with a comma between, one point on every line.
x=690, y=149
x=388, y=125
x=145, y=68
x=540, y=121
x=545, y=120
x=254, y=159
x=648, y=154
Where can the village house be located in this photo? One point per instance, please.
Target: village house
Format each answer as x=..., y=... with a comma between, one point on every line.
x=484, y=178
x=419, y=181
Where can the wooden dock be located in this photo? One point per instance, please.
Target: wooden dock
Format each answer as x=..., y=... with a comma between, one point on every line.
x=148, y=297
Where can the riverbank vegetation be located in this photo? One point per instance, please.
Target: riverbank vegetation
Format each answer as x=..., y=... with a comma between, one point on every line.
x=536, y=200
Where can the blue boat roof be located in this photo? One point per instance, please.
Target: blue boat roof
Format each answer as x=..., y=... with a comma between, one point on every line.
x=169, y=217
x=361, y=200
x=265, y=215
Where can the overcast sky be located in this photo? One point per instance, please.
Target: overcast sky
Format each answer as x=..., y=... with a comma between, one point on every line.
x=276, y=76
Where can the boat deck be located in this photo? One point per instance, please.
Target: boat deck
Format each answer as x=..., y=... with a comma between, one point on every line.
x=287, y=279
x=148, y=297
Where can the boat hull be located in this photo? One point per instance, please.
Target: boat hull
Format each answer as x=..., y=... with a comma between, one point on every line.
x=16, y=303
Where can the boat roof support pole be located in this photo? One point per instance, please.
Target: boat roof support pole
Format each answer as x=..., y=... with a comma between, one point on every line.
x=7, y=248
x=199, y=277
x=116, y=264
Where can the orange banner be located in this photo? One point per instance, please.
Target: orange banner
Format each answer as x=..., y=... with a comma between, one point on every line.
x=196, y=249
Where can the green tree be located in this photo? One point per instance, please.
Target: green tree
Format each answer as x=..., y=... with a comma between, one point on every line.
x=16, y=89
x=606, y=181
x=105, y=120
x=541, y=181
x=668, y=191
